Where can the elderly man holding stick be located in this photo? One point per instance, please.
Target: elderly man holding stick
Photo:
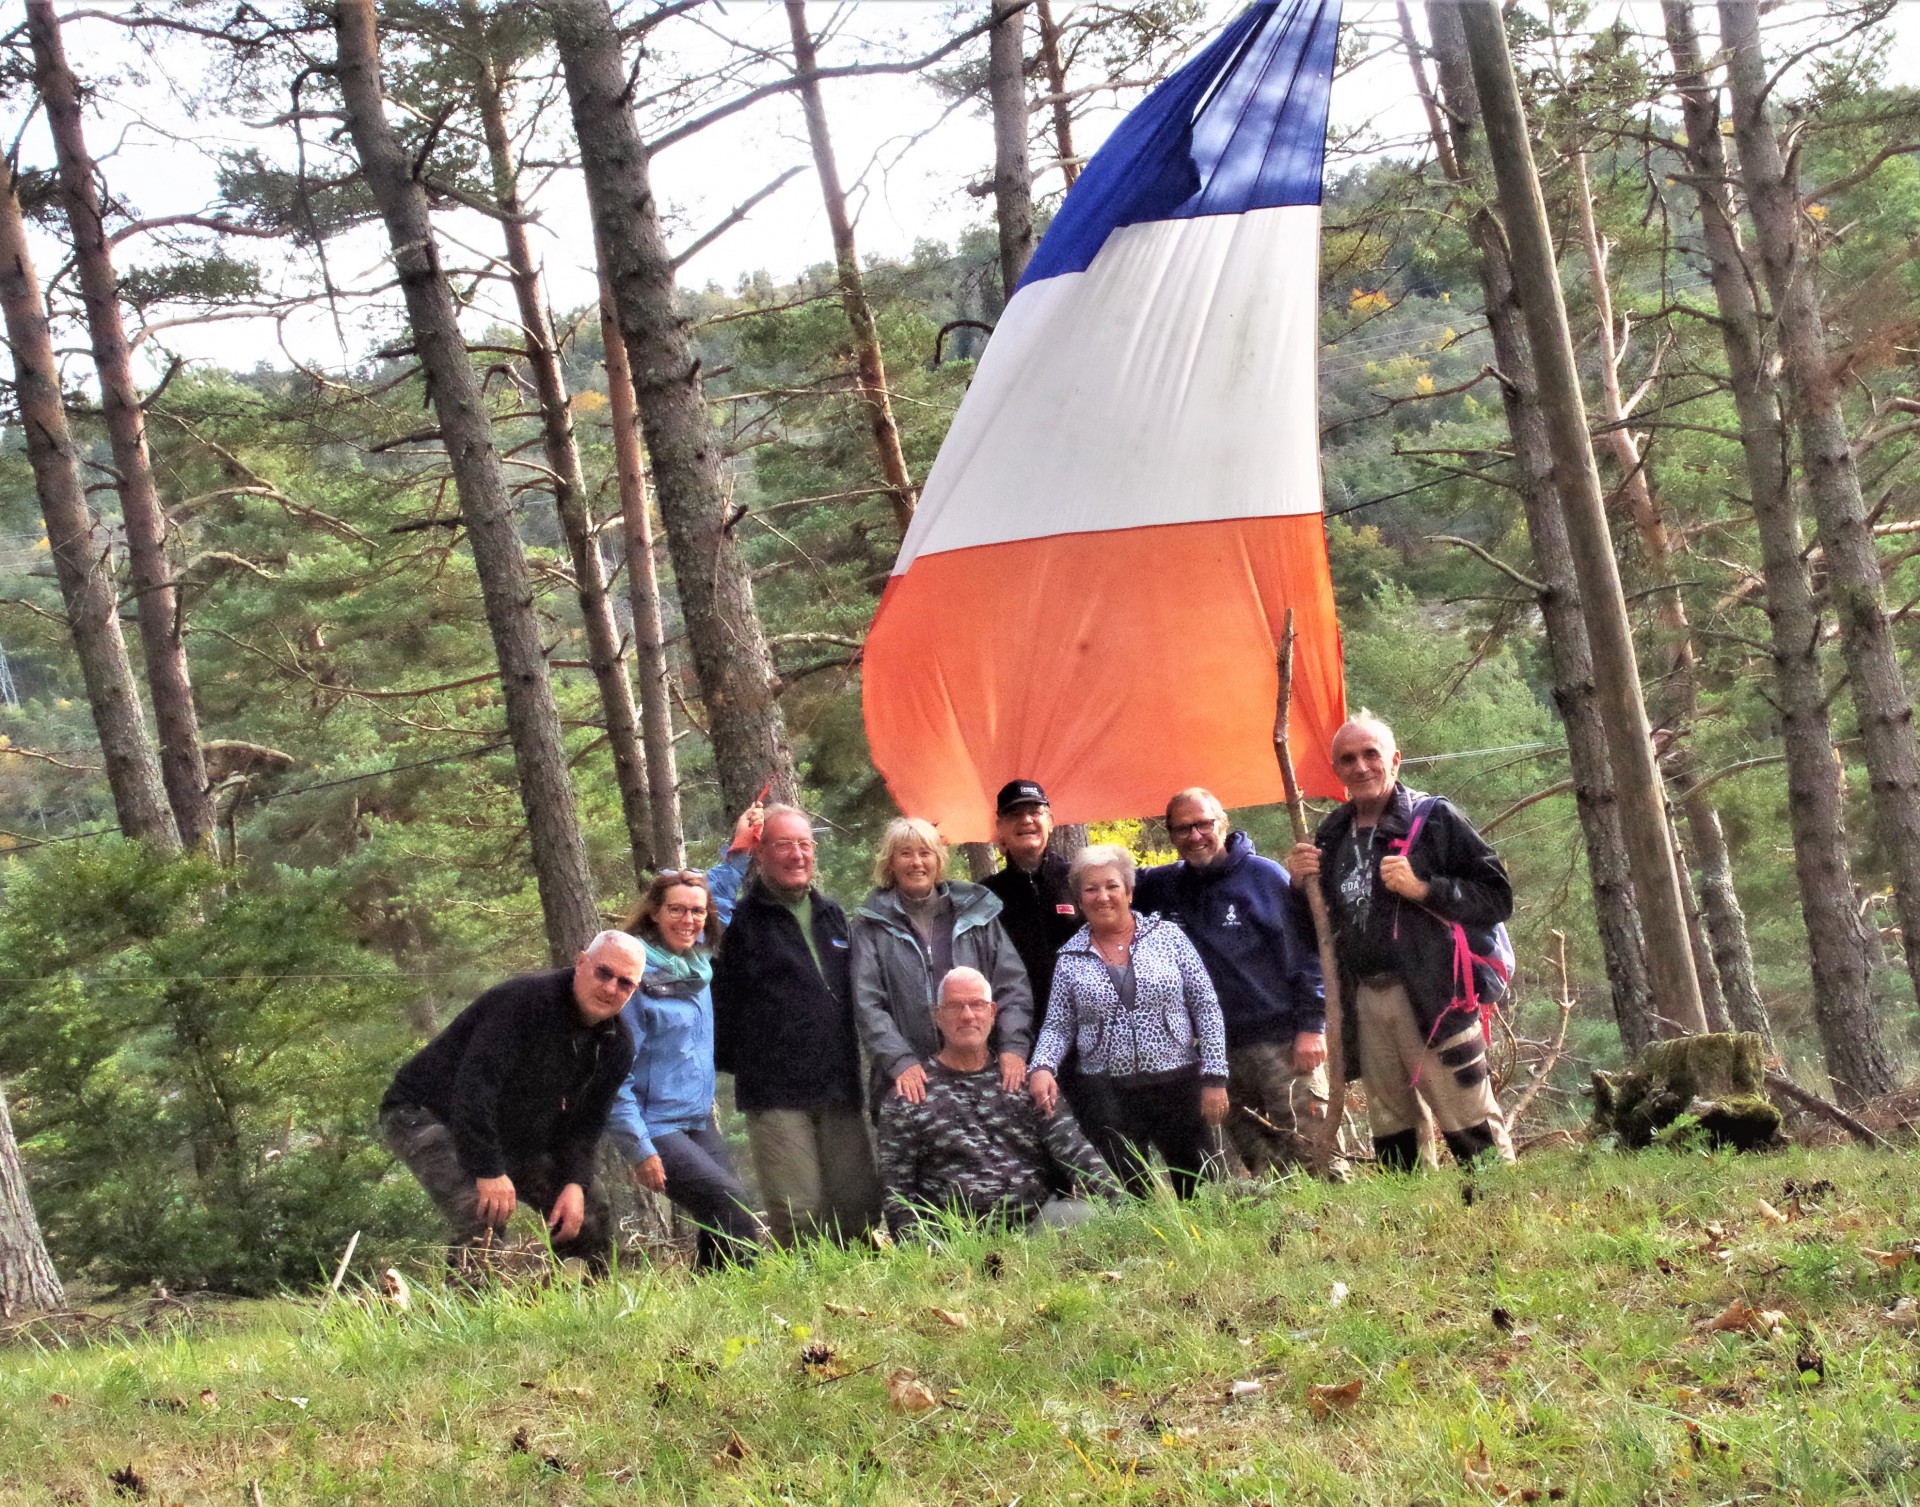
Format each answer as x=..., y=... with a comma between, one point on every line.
x=1398, y=872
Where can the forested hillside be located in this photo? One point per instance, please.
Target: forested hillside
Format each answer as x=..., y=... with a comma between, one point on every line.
x=378, y=644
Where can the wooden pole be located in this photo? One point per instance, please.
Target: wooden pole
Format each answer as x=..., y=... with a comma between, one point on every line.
x=1326, y=1146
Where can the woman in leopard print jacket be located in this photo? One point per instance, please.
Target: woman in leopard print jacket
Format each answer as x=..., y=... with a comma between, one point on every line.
x=1132, y=1000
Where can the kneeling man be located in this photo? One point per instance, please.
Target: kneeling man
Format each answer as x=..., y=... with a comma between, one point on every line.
x=507, y=1104
x=974, y=1146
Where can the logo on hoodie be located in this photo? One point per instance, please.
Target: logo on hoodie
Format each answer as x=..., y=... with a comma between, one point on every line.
x=1232, y=917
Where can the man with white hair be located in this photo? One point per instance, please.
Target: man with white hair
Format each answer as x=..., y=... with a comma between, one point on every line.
x=974, y=1146
x=1413, y=894
x=506, y=1105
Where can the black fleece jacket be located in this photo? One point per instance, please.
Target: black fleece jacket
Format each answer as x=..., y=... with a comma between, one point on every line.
x=782, y=1024
x=519, y=1075
x=1470, y=885
x=1038, y=913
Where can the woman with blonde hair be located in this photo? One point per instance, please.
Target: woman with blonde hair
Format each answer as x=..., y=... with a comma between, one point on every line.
x=914, y=928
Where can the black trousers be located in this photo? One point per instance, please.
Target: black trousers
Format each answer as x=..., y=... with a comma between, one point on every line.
x=425, y=1145
x=701, y=1182
x=1128, y=1119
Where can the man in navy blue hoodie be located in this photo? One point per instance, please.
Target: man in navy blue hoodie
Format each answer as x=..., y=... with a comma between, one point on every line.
x=1237, y=909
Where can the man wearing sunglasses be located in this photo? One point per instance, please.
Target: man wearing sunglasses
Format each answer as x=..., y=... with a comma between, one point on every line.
x=506, y=1105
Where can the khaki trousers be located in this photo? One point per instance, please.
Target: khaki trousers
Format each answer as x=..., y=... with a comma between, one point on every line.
x=816, y=1172
x=1451, y=1074
x=1274, y=1112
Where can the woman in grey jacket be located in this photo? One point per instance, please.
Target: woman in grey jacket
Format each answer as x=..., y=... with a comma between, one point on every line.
x=907, y=934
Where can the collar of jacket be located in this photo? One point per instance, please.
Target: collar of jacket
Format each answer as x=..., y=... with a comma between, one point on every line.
x=1394, y=821
x=973, y=905
x=759, y=892
x=1053, y=868
x=1082, y=940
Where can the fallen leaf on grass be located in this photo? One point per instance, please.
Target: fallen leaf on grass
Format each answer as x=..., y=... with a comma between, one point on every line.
x=395, y=1287
x=298, y=1402
x=1769, y=1213
x=1246, y=1389
x=1322, y=1400
x=1741, y=1317
x=210, y=1400
x=520, y=1444
x=1905, y=1314
x=1891, y=1260
x=129, y=1483
x=848, y=1311
x=818, y=1356
x=1111, y=1276
x=1502, y=1320
x=909, y=1393
x=1337, y=1297
x=1475, y=1467
x=951, y=1319
x=61, y=1400
x=735, y=1448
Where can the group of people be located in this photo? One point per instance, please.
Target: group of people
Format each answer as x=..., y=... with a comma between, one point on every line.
x=1009, y=1050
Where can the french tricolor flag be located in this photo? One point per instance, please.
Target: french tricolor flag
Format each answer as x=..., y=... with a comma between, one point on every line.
x=1129, y=499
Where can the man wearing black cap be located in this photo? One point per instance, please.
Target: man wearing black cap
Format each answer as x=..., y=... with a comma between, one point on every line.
x=1036, y=901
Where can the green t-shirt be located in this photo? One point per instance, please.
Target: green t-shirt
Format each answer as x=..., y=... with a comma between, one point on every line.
x=802, y=909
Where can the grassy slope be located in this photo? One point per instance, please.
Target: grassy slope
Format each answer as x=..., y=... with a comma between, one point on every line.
x=1094, y=1367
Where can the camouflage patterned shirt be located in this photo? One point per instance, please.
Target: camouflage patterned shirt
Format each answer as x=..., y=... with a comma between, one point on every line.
x=975, y=1147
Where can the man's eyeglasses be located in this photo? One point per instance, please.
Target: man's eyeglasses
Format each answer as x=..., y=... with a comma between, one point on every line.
x=791, y=845
x=607, y=975
x=1187, y=829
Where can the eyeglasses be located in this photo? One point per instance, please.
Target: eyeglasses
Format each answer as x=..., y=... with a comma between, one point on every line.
x=968, y=1006
x=606, y=975
x=791, y=845
x=685, y=912
x=1187, y=829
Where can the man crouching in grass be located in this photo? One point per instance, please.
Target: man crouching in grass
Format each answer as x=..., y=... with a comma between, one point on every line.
x=974, y=1146
x=507, y=1104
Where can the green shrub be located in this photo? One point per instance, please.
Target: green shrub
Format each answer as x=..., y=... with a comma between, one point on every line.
x=194, y=1056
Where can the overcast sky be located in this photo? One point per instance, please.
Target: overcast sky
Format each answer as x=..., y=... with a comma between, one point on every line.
x=912, y=153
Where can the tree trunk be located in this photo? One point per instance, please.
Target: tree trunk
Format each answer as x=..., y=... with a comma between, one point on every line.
x=1057, y=90
x=1839, y=946
x=1012, y=176
x=1727, y=981
x=643, y=591
x=27, y=1278
x=1656, y=882
x=163, y=649
x=466, y=430
x=81, y=557
x=1854, y=584
x=729, y=646
x=563, y=457
x=853, y=292
x=1622, y=945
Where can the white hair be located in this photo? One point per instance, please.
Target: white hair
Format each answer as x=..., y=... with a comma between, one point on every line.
x=601, y=938
x=965, y=975
x=1101, y=855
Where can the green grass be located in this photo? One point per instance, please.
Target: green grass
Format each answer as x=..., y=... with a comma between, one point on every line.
x=1092, y=1367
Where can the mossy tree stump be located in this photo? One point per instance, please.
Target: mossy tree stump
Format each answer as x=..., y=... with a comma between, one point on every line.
x=1719, y=1079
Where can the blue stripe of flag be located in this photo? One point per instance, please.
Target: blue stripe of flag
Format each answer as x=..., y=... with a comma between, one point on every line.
x=1243, y=126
